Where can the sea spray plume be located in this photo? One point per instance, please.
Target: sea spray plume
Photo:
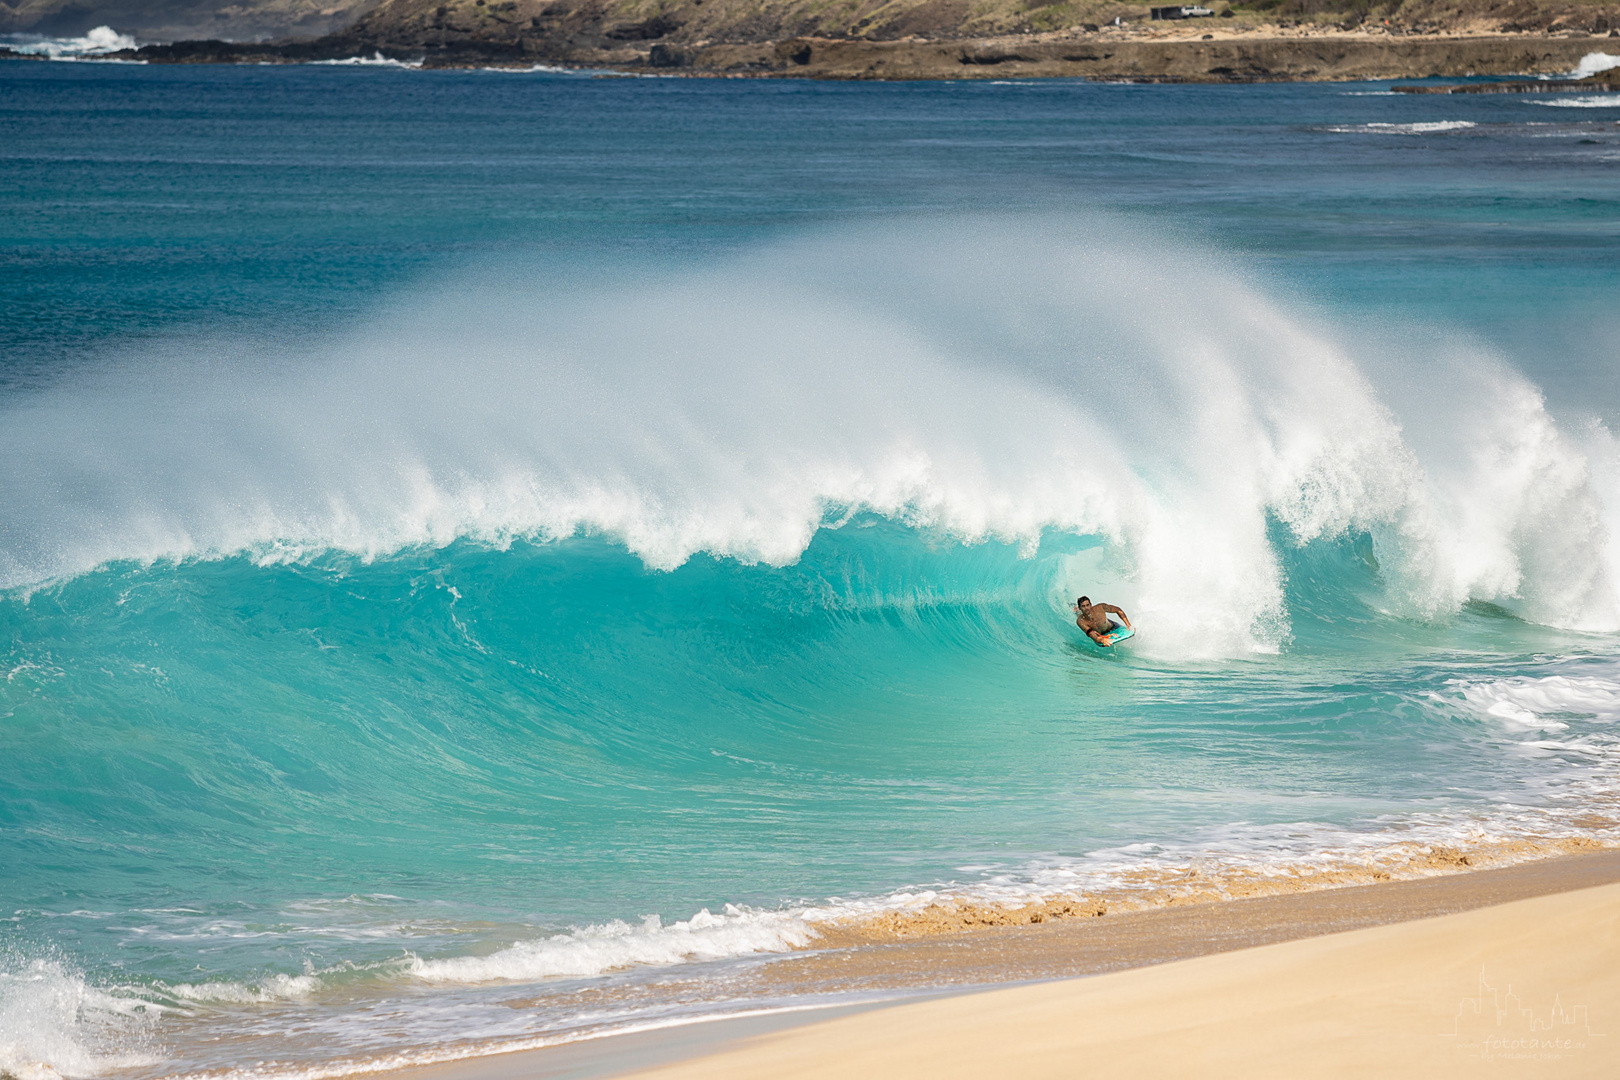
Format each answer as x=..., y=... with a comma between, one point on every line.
x=1071, y=375
x=1507, y=509
x=53, y=1022
x=1601, y=452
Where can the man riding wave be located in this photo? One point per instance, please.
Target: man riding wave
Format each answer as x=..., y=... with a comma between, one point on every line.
x=1093, y=619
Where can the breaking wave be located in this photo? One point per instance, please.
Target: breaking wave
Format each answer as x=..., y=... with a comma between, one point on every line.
x=97, y=42
x=736, y=410
x=1425, y=127
x=592, y=950
x=749, y=581
x=53, y=1023
x=1595, y=63
x=1583, y=101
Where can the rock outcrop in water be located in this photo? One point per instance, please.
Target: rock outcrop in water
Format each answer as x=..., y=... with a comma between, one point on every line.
x=1602, y=82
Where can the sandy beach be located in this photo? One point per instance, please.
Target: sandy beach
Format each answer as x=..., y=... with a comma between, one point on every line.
x=1510, y=971
x=1522, y=989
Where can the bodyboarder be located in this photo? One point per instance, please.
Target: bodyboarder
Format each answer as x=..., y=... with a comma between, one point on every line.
x=1093, y=619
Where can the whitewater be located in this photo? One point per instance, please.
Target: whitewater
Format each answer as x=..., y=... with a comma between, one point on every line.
x=420, y=645
x=737, y=410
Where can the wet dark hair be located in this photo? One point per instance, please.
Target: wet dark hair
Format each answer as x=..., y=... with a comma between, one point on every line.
x=1084, y=600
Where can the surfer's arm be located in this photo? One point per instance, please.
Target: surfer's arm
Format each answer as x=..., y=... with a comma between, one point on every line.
x=1111, y=609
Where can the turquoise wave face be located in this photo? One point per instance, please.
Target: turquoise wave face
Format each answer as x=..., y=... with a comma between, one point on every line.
x=527, y=723
x=552, y=734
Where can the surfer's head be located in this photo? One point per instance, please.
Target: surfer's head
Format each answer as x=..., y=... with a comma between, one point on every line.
x=1083, y=603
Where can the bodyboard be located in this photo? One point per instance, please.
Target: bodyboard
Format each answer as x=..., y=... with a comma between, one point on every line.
x=1117, y=635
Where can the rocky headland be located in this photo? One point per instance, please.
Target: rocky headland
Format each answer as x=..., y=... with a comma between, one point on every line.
x=1257, y=40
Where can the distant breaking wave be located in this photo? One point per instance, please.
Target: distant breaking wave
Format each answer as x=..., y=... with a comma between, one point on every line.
x=97, y=42
x=376, y=60
x=1583, y=101
x=1595, y=63
x=1426, y=127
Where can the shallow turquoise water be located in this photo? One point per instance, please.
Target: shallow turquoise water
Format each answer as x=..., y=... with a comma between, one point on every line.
x=450, y=517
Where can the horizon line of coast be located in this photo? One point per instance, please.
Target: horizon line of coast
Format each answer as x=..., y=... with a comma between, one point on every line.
x=1230, y=986
x=1181, y=55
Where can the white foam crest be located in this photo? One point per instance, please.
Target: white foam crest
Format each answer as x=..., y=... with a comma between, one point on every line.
x=1584, y=101
x=736, y=409
x=278, y=987
x=1422, y=127
x=377, y=60
x=1508, y=508
x=1595, y=63
x=55, y=1024
x=551, y=69
x=1544, y=703
x=593, y=950
x=101, y=40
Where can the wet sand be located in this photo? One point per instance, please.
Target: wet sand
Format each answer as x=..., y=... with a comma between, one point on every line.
x=1353, y=981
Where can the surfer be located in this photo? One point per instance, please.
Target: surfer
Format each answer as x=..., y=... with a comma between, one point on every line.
x=1093, y=619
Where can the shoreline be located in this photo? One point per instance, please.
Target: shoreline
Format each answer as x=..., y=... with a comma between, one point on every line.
x=969, y=965
x=1236, y=55
x=1527, y=988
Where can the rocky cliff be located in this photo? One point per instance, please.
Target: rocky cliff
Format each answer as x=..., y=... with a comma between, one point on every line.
x=174, y=20
x=1251, y=40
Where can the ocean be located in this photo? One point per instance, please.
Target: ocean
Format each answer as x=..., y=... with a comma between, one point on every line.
x=489, y=558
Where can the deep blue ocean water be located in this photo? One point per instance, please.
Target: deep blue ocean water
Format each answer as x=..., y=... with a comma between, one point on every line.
x=478, y=536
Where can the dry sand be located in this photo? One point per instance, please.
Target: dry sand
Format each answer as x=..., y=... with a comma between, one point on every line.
x=1245, y=986
x=1526, y=989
